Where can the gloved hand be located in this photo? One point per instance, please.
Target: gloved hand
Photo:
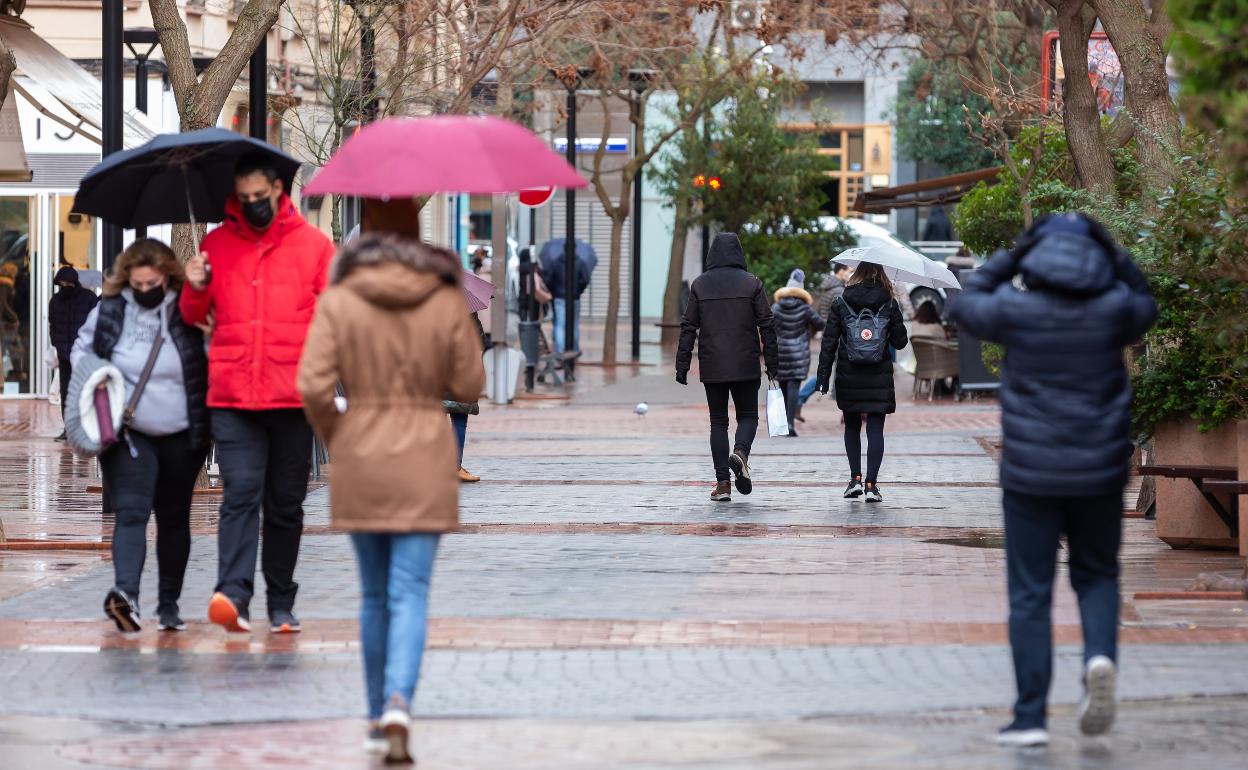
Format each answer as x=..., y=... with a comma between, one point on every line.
x=822, y=387
x=682, y=378
x=772, y=374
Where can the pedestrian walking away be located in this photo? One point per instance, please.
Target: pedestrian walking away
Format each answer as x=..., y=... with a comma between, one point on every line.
x=138, y=329
x=1065, y=399
x=832, y=287
x=459, y=412
x=395, y=331
x=727, y=315
x=67, y=312
x=795, y=322
x=864, y=322
x=257, y=280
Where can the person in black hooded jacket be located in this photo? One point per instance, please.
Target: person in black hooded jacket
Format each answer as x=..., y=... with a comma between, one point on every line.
x=863, y=391
x=726, y=315
x=1065, y=402
x=67, y=312
x=795, y=321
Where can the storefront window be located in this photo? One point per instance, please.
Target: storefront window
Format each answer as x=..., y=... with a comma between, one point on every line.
x=17, y=215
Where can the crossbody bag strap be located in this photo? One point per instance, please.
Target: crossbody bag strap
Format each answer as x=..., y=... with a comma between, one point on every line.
x=133, y=403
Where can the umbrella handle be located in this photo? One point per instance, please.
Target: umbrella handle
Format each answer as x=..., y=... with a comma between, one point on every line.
x=190, y=210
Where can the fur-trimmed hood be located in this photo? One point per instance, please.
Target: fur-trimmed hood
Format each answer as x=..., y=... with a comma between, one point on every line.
x=394, y=272
x=796, y=292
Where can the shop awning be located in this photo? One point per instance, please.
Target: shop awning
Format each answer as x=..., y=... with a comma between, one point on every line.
x=929, y=192
x=73, y=87
x=13, y=164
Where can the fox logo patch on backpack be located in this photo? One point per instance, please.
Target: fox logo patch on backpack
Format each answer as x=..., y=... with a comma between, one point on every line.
x=866, y=338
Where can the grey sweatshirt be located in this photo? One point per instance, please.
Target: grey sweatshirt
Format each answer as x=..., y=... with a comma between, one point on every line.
x=162, y=408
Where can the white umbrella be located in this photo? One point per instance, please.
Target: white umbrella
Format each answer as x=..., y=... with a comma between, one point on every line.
x=902, y=264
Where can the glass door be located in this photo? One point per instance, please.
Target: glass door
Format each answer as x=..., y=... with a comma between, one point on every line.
x=19, y=237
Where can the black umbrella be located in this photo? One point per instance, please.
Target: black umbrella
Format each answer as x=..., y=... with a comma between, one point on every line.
x=173, y=178
x=552, y=252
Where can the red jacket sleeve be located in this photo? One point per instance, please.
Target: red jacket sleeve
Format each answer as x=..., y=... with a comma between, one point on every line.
x=323, y=264
x=195, y=305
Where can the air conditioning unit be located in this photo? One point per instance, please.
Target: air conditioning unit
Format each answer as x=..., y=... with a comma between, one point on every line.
x=746, y=14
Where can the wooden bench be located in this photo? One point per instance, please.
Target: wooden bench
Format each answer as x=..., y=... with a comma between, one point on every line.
x=1208, y=480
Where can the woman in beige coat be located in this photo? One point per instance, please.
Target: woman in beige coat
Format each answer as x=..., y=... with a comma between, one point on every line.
x=394, y=329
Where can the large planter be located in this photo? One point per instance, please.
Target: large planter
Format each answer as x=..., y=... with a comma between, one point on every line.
x=1242, y=427
x=1184, y=518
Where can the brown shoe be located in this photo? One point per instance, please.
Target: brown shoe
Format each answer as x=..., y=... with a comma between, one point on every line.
x=467, y=477
x=722, y=492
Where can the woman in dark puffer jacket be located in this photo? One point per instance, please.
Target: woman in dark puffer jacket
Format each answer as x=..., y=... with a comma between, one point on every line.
x=863, y=389
x=795, y=322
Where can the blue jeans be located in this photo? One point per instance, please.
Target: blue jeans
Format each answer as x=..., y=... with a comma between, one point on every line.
x=459, y=423
x=1033, y=527
x=561, y=326
x=807, y=390
x=394, y=581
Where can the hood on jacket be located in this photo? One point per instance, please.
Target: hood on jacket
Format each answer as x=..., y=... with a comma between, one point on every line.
x=1067, y=254
x=867, y=294
x=67, y=275
x=795, y=293
x=726, y=251
x=830, y=281
x=393, y=272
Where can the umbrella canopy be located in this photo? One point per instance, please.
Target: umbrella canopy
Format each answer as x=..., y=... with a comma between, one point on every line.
x=407, y=157
x=173, y=178
x=902, y=264
x=552, y=252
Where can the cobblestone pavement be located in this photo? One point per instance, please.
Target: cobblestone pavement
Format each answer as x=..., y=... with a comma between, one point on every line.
x=597, y=611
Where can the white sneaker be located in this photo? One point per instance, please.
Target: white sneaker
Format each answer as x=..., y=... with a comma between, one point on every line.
x=375, y=744
x=1022, y=739
x=396, y=724
x=1099, y=706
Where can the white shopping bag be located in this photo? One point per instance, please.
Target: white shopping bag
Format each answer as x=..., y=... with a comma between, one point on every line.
x=777, y=415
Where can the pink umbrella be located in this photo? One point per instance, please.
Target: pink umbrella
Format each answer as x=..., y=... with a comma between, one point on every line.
x=406, y=157
x=477, y=291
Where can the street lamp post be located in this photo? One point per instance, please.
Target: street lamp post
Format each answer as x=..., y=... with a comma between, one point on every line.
x=111, y=109
x=641, y=81
x=570, y=300
x=141, y=41
x=258, y=91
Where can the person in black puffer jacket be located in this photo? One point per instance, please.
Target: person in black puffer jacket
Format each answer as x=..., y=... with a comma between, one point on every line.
x=1065, y=403
x=795, y=321
x=67, y=312
x=863, y=391
x=727, y=314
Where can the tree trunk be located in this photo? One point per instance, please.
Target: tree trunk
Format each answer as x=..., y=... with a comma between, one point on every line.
x=1140, y=45
x=613, y=281
x=1082, y=119
x=7, y=65
x=675, y=272
x=183, y=243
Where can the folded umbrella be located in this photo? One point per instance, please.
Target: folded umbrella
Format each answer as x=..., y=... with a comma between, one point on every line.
x=901, y=264
x=408, y=157
x=174, y=178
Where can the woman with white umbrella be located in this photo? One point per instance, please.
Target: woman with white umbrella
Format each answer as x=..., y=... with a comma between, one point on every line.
x=864, y=321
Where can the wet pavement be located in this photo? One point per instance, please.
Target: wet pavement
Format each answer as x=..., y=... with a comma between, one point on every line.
x=597, y=611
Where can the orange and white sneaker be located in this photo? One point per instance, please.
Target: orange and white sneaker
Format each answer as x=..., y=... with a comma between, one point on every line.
x=283, y=622
x=223, y=612
x=467, y=477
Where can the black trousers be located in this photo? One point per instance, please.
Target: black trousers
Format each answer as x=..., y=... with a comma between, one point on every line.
x=875, y=443
x=265, y=458
x=744, y=396
x=160, y=478
x=792, y=389
x=66, y=371
x=1033, y=527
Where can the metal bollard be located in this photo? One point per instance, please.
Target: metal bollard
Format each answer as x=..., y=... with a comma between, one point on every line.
x=528, y=344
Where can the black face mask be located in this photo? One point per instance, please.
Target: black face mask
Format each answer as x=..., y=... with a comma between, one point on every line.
x=151, y=298
x=259, y=214
x=68, y=288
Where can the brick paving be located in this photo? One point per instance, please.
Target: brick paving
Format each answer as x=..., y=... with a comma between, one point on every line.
x=592, y=590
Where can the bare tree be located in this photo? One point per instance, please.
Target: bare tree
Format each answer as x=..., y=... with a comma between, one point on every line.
x=201, y=99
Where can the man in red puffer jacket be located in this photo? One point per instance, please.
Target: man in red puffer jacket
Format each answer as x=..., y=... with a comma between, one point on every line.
x=267, y=267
